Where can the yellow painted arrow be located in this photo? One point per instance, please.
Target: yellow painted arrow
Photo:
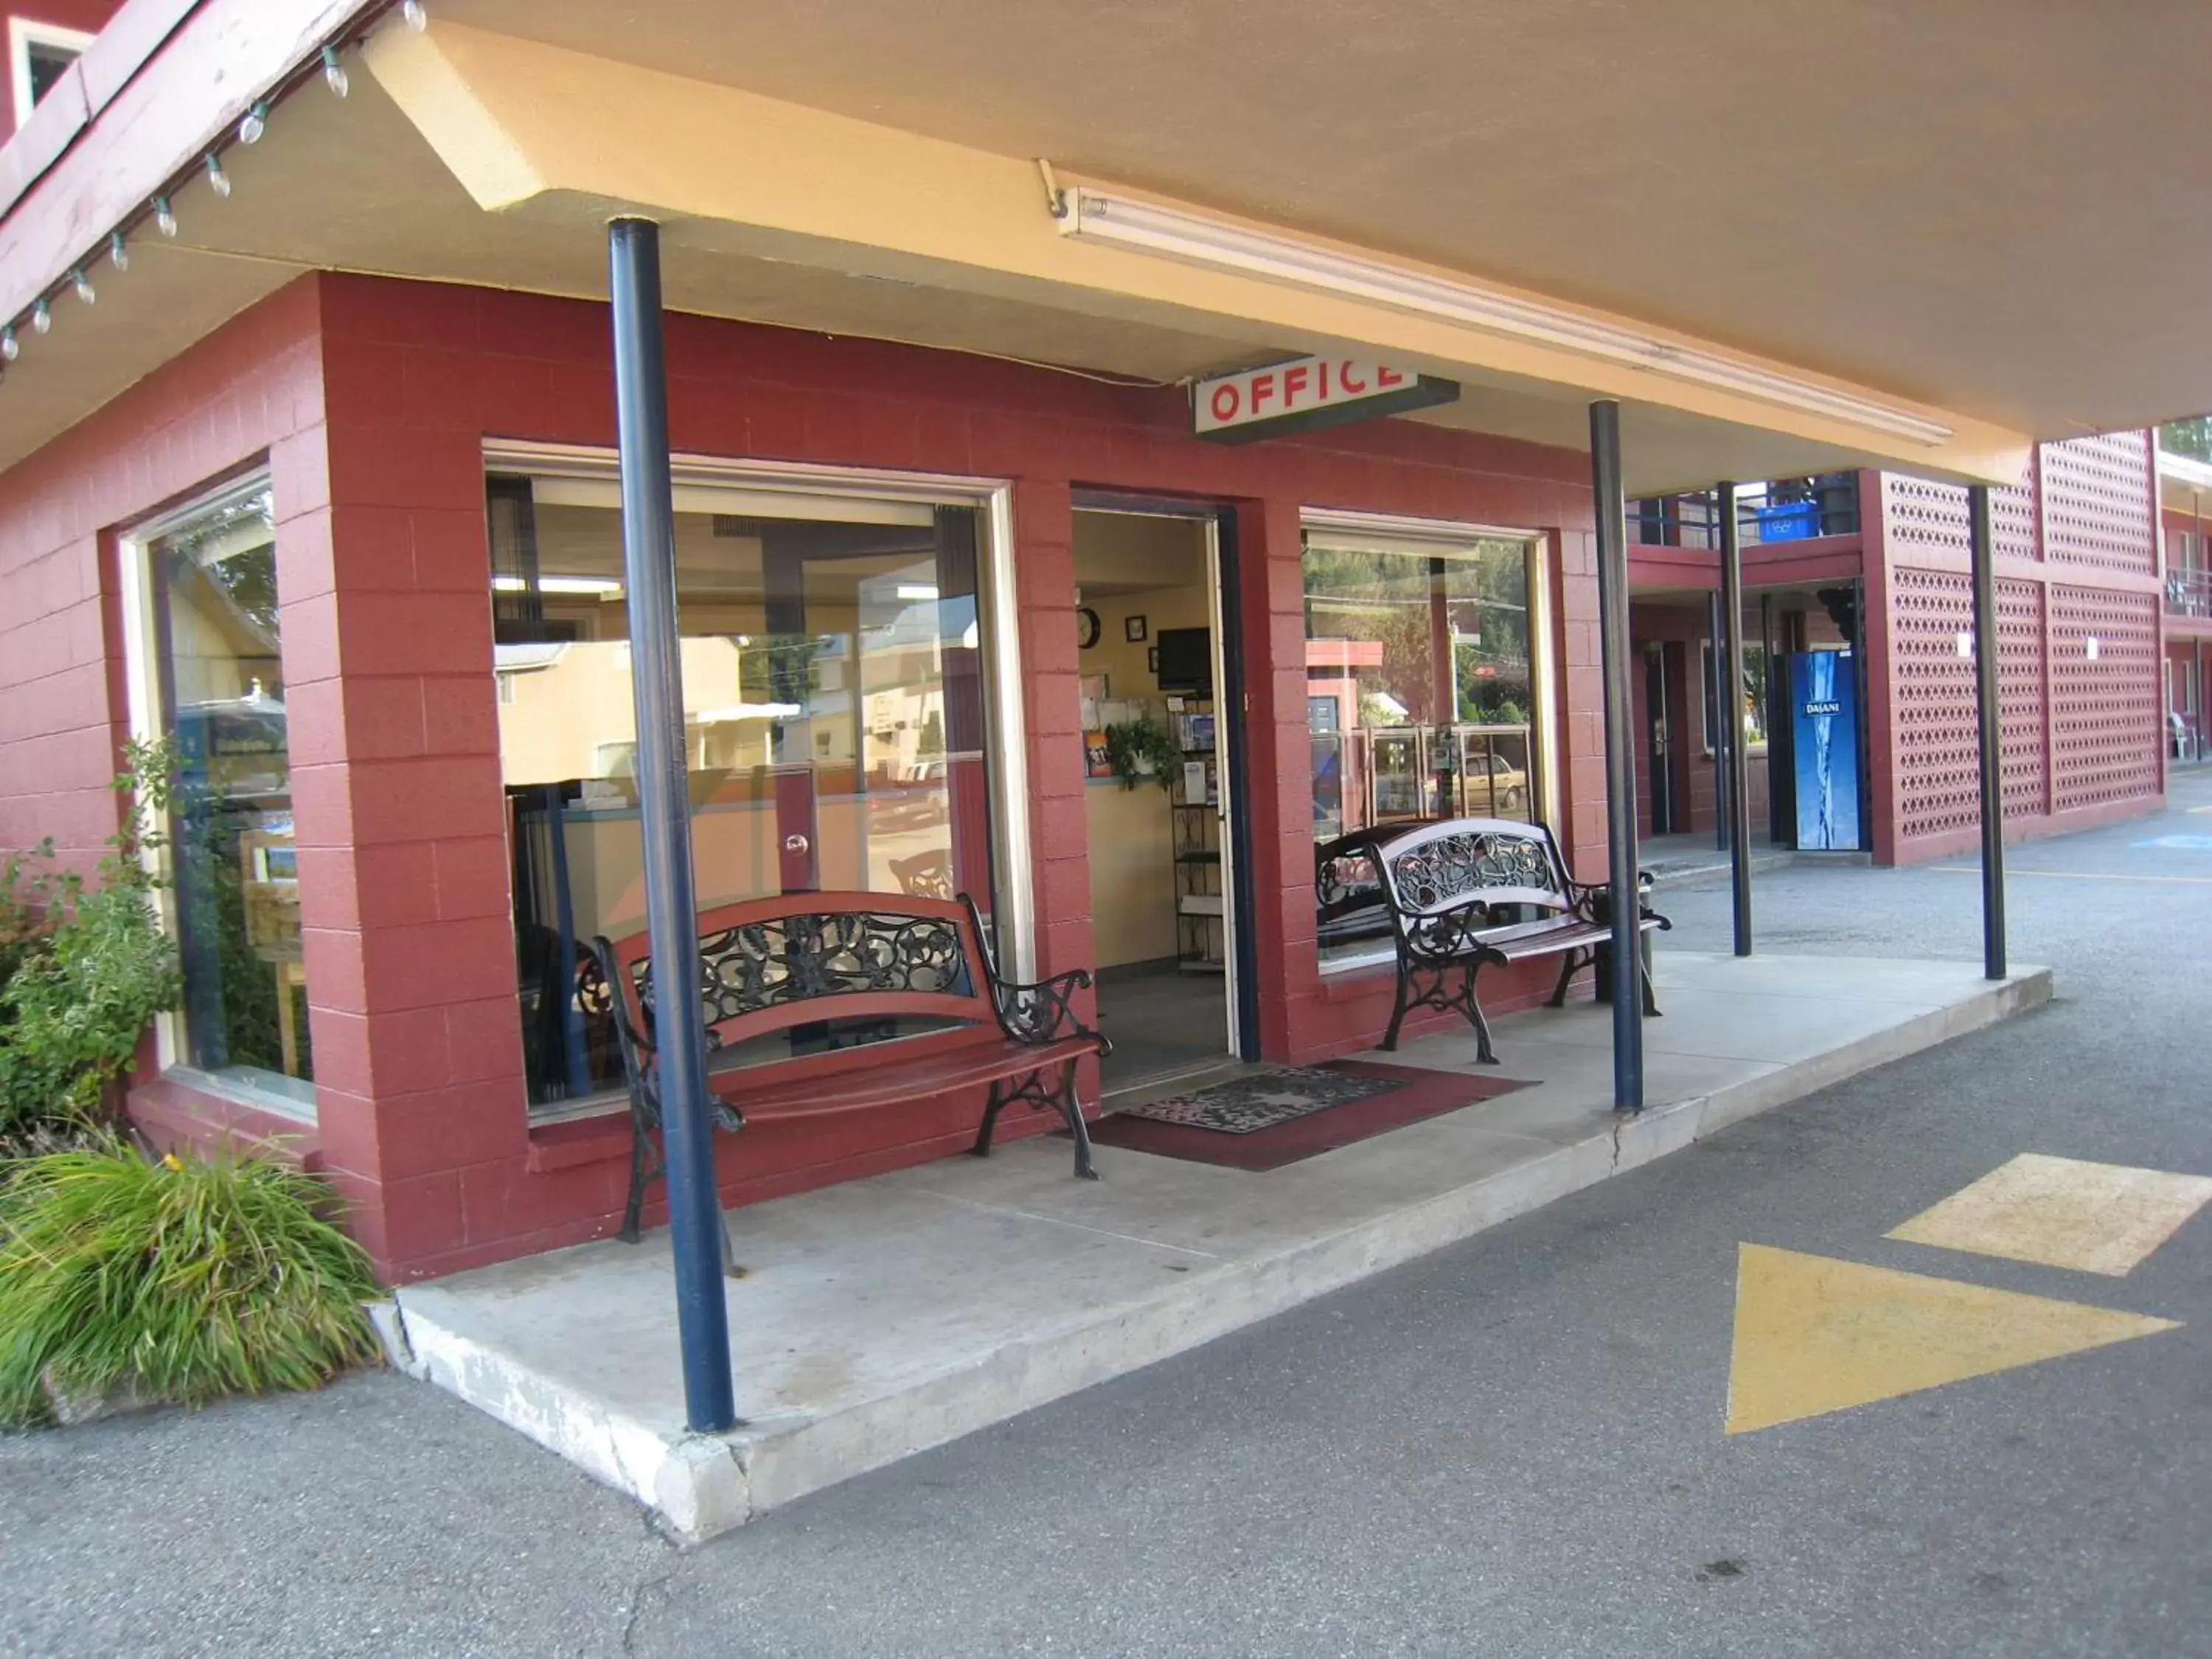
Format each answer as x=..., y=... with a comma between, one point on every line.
x=1814, y=1334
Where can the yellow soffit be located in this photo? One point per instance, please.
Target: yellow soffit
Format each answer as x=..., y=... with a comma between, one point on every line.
x=528, y=128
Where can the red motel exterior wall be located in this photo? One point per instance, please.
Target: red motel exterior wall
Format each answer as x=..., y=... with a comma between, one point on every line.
x=84, y=16
x=372, y=399
x=2077, y=560
x=2188, y=621
x=253, y=389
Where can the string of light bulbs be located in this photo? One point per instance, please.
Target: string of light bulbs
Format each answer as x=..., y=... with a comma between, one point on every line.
x=160, y=209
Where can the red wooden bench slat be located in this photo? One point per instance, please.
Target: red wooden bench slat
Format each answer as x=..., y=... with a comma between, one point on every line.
x=890, y=1081
x=1025, y=1050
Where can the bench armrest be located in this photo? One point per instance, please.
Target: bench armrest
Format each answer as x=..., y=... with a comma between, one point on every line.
x=1592, y=897
x=1454, y=933
x=1044, y=1014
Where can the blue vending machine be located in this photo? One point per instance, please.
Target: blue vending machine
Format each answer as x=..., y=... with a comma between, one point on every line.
x=1824, y=716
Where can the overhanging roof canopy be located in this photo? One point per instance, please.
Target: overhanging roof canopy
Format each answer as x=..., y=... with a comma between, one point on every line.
x=1881, y=225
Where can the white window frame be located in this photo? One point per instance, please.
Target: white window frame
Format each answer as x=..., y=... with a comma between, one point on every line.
x=23, y=33
x=1446, y=535
x=149, y=719
x=1014, y=904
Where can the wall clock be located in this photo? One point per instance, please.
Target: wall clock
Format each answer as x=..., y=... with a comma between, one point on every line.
x=1086, y=627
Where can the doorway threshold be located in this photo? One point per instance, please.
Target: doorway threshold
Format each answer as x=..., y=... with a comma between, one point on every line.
x=1181, y=1079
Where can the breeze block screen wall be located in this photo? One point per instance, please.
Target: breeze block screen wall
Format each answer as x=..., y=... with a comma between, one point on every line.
x=2078, y=646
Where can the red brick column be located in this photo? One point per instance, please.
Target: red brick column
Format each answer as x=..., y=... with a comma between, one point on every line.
x=1052, y=687
x=406, y=913
x=1052, y=695
x=1278, y=807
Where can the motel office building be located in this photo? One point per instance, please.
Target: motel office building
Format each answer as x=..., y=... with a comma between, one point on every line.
x=350, y=542
x=357, y=552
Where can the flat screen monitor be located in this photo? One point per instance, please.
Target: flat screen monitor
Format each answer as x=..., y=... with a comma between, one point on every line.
x=1186, y=659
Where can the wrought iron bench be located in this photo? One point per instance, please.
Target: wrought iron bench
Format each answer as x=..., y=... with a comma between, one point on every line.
x=1452, y=889
x=1350, y=906
x=892, y=998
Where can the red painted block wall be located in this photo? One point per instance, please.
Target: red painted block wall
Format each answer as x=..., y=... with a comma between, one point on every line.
x=252, y=391
x=1696, y=777
x=373, y=400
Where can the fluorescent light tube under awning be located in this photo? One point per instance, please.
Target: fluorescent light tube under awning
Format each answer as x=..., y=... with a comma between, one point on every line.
x=1178, y=234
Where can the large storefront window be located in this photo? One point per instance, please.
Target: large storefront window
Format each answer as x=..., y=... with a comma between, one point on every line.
x=212, y=608
x=1421, y=703
x=834, y=706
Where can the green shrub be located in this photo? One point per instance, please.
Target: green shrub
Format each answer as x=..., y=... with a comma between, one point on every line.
x=32, y=898
x=83, y=967
x=183, y=1280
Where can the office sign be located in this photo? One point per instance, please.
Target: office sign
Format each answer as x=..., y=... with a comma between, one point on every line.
x=1307, y=392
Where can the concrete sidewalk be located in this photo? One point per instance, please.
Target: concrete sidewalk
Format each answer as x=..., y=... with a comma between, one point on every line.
x=1670, y=859
x=889, y=1315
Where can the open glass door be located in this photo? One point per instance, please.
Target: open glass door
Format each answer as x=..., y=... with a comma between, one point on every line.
x=1159, y=800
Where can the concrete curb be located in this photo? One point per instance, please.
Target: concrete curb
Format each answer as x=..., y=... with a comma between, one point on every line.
x=700, y=1485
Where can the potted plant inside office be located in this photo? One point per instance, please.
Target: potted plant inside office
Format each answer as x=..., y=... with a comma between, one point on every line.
x=1141, y=750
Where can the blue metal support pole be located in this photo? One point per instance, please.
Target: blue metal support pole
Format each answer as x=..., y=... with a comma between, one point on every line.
x=649, y=520
x=1620, y=757
x=1735, y=805
x=1981, y=531
x=1716, y=695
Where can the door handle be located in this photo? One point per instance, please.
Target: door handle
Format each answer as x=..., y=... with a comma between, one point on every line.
x=795, y=844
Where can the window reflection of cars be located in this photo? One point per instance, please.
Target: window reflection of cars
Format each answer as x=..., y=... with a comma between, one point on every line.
x=1495, y=787
x=917, y=798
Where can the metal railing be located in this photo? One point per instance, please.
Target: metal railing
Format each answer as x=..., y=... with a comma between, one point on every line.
x=2188, y=593
x=1779, y=510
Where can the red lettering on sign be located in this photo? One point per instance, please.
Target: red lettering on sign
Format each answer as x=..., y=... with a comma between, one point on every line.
x=1263, y=387
x=1351, y=387
x=1324, y=380
x=1224, y=401
x=1388, y=377
x=1294, y=382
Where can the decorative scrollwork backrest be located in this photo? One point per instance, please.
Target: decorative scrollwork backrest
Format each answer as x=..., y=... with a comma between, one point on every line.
x=767, y=964
x=1446, y=866
x=1346, y=877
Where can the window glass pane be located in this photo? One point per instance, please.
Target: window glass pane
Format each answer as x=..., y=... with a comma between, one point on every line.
x=1754, y=698
x=47, y=64
x=1419, y=704
x=833, y=703
x=214, y=591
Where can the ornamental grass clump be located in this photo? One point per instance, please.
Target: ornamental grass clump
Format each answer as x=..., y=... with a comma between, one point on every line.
x=180, y=1281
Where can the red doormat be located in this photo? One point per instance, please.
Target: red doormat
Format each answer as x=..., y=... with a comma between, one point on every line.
x=1408, y=1095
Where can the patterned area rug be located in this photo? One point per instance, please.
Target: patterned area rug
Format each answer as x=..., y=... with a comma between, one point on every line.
x=1261, y=1101
x=1286, y=1113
